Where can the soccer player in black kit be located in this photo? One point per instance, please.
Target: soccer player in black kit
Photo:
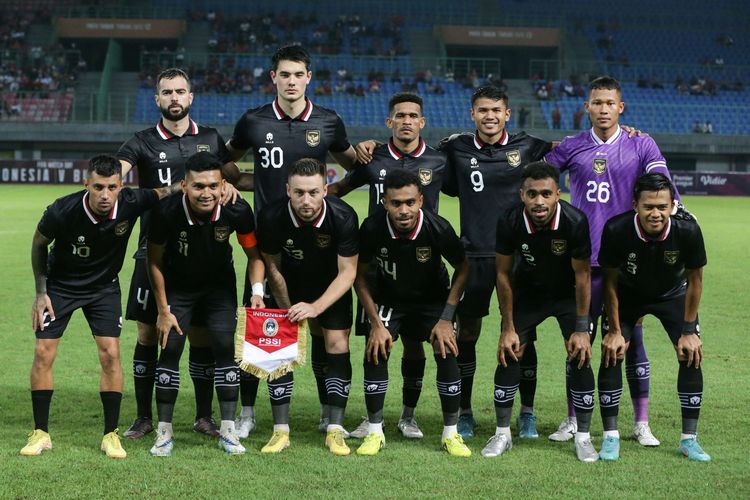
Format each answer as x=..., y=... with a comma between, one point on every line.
x=413, y=298
x=404, y=150
x=90, y=230
x=653, y=264
x=159, y=154
x=543, y=270
x=192, y=272
x=310, y=245
x=281, y=132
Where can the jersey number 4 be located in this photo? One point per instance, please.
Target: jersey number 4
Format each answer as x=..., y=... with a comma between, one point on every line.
x=273, y=157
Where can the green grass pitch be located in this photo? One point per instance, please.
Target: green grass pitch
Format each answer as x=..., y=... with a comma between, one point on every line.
x=76, y=468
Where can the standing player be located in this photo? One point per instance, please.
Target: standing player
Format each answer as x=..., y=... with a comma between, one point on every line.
x=159, y=154
x=603, y=164
x=404, y=150
x=90, y=230
x=280, y=133
x=413, y=298
x=484, y=171
x=310, y=246
x=549, y=240
x=652, y=264
x=192, y=272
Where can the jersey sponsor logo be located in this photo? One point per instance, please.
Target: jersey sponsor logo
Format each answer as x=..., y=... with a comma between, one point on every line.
x=122, y=228
x=81, y=239
x=312, y=137
x=162, y=157
x=559, y=246
x=203, y=148
x=424, y=254
x=290, y=242
x=473, y=163
x=425, y=176
x=670, y=257
x=323, y=240
x=600, y=165
x=221, y=233
x=269, y=138
x=513, y=157
x=270, y=327
x=384, y=251
x=382, y=173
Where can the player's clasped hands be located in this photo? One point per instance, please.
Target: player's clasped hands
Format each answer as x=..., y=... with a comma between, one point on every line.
x=443, y=338
x=509, y=343
x=613, y=348
x=42, y=305
x=579, y=347
x=302, y=310
x=164, y=324
x=379, y=344
x=690, y=348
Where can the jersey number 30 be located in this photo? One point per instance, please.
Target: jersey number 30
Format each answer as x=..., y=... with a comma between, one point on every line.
x=273, y=157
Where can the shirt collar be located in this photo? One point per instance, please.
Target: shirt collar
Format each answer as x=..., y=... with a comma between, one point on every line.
x=90, y=213
x=315, y=223
x=645, y=237
x=413, y=235
x=166, y=134
x=611, y=140
x=553, y=225
x=190, y=216
x=304, y=116
x=480, y=144
x=397, y=154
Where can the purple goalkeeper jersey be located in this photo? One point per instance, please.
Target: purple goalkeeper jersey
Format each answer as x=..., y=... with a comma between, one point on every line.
x=603, y=174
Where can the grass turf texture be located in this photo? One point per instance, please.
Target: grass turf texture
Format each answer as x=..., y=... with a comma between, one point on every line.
x=76, y=467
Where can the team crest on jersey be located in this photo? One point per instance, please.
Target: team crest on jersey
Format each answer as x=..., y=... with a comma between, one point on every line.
x=514, y=158
x=122, y=228
x=203, y=148
x=270, y=327
x=424, y=254
x=312, y=137
x=670, y=257
x=559, y=247
x=425, y=176
x=221, y=233
x=323, y=240
x=600, y=165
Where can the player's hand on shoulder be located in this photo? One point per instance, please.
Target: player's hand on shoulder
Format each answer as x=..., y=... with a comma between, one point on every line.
x=443, y=338
x=229, y=194
x=42, y=304
x=579, y=347
x=690, y=349
x=632, y=131
x=379, y=344
x=681, y=213
x=509, y=344
x=302, y=310
x=364, y=151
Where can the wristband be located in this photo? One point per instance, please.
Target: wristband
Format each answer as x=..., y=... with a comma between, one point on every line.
x=258, y=289
x=582, y=324
x=690, y=328
x=449, y=311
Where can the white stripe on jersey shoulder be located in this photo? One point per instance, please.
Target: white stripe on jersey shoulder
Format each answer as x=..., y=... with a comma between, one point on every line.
x=413, y=235
x=88, y=211
x=186, y=209
x=656, y=164
x=319, y=221
x=611, y=140
x=292, y=215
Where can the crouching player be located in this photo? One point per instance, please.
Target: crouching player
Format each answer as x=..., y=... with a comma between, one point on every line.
x=653, y=264
x=412, y=298
x=191, y=271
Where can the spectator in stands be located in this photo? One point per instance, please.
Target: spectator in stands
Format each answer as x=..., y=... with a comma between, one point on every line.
x=523, y=114
x=556, y=117
x=697, y=127
x=542, y=93
x=577, y=118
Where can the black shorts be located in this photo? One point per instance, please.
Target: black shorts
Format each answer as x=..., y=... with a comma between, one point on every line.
x=247, y=293
x=475, y=302
x=528, y=313
x=102, y=309
x=671, y=313
x=415, y=324
x=215, y=305
x=141, y=304
x=336, y=317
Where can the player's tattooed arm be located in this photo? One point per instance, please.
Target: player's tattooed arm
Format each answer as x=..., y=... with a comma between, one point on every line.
x=509, y=343
x=244, y=181
x=276, y=281
x=167, y=190
x=613, y=343
x=689, y=346
x=579, y=343
x=346, y=159
x=42, y=302
x=165, y=321
x=379, y=342
x=256, y=272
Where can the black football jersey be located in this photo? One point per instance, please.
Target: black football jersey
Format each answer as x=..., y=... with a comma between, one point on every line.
x=197, y=248
x=309, y=250
x=279, y=140
x=425, y=162
x=486, y=179
x=542, y=266
x=159, y=158
x=651, y=268
x=410, y=268
x=88, y=250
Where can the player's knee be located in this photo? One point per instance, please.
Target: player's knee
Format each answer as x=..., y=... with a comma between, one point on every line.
x=413, y=350
x=199, y=336
x=44, y=354
x=147, y=334
x=469, y=329
x=109, y=353
x=337, y=341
